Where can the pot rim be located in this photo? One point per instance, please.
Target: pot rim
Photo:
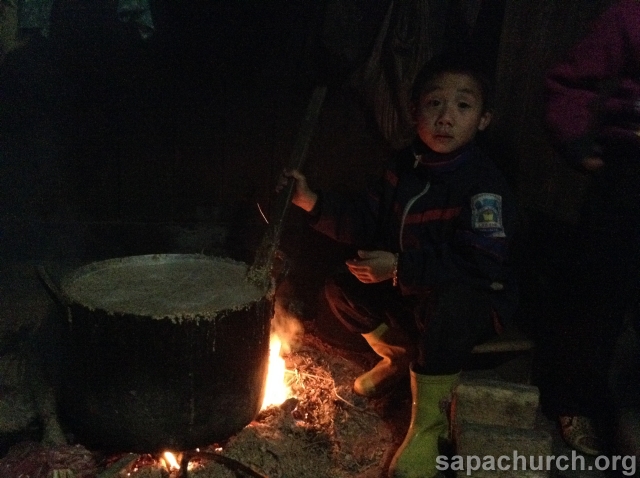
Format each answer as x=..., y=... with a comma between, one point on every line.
x=71, y=299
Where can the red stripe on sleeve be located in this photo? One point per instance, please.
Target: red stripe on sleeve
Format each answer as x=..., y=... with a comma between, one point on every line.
x=433, y=215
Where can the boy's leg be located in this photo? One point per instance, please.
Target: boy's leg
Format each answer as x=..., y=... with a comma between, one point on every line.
x=417, y=455
x=363, y=307
x=451, y=321
x=378, y=312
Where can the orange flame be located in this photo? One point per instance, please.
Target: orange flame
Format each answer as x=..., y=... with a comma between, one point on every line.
x=171, y=462
x=276, y=390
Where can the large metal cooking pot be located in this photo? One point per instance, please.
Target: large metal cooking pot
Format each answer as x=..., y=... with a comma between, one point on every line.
x=165, y=352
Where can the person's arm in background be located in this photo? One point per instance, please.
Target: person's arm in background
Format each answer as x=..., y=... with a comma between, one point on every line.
x=580, y=88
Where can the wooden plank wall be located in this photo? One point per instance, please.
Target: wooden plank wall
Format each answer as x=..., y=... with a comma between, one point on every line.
x=203, y=114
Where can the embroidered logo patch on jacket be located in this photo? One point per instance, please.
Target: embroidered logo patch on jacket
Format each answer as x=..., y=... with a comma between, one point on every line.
x=486, y=214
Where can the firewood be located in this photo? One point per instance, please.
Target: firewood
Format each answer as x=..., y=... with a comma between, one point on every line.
x=118, y=466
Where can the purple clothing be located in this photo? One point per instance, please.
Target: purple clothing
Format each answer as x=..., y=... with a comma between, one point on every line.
x=594, y=94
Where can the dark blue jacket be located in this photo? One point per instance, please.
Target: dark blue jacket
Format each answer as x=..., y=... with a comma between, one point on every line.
x=451, y=220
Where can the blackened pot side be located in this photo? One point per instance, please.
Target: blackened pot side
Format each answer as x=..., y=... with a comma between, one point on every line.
x=147, y=383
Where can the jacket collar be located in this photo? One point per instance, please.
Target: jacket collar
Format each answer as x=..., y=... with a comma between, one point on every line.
x=425, y=157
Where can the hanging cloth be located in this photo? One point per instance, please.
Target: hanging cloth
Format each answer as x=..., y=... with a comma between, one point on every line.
x=404, y=44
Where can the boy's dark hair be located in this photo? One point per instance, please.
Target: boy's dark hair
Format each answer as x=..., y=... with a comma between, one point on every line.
x=464, y=63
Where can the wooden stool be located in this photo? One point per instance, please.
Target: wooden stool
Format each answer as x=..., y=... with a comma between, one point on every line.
x=510, y=354
x=511, y=340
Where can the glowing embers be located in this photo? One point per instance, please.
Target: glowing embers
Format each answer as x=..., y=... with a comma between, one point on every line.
x=189, y=464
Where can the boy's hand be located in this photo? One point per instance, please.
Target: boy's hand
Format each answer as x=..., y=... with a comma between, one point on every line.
x=302, y=197
x=372, y=266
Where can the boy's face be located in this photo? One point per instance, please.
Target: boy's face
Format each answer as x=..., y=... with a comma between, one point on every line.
x=449, y=113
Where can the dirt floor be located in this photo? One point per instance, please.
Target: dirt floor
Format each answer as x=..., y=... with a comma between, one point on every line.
x=325, y=430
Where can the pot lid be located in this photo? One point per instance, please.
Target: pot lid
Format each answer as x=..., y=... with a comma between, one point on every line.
x=178, y=286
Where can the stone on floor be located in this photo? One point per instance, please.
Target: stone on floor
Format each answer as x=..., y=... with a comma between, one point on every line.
x=494, y=402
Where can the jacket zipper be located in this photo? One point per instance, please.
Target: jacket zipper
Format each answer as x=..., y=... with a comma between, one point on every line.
x=408, y=206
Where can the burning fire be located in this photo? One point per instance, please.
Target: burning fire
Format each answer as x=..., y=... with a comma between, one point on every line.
x=170, y=460
x=276, y=390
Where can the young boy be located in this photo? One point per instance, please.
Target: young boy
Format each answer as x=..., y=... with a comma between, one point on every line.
x=431, y=278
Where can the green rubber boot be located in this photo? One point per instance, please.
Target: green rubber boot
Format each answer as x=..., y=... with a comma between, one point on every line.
x=416, y=457
x=397, y=352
